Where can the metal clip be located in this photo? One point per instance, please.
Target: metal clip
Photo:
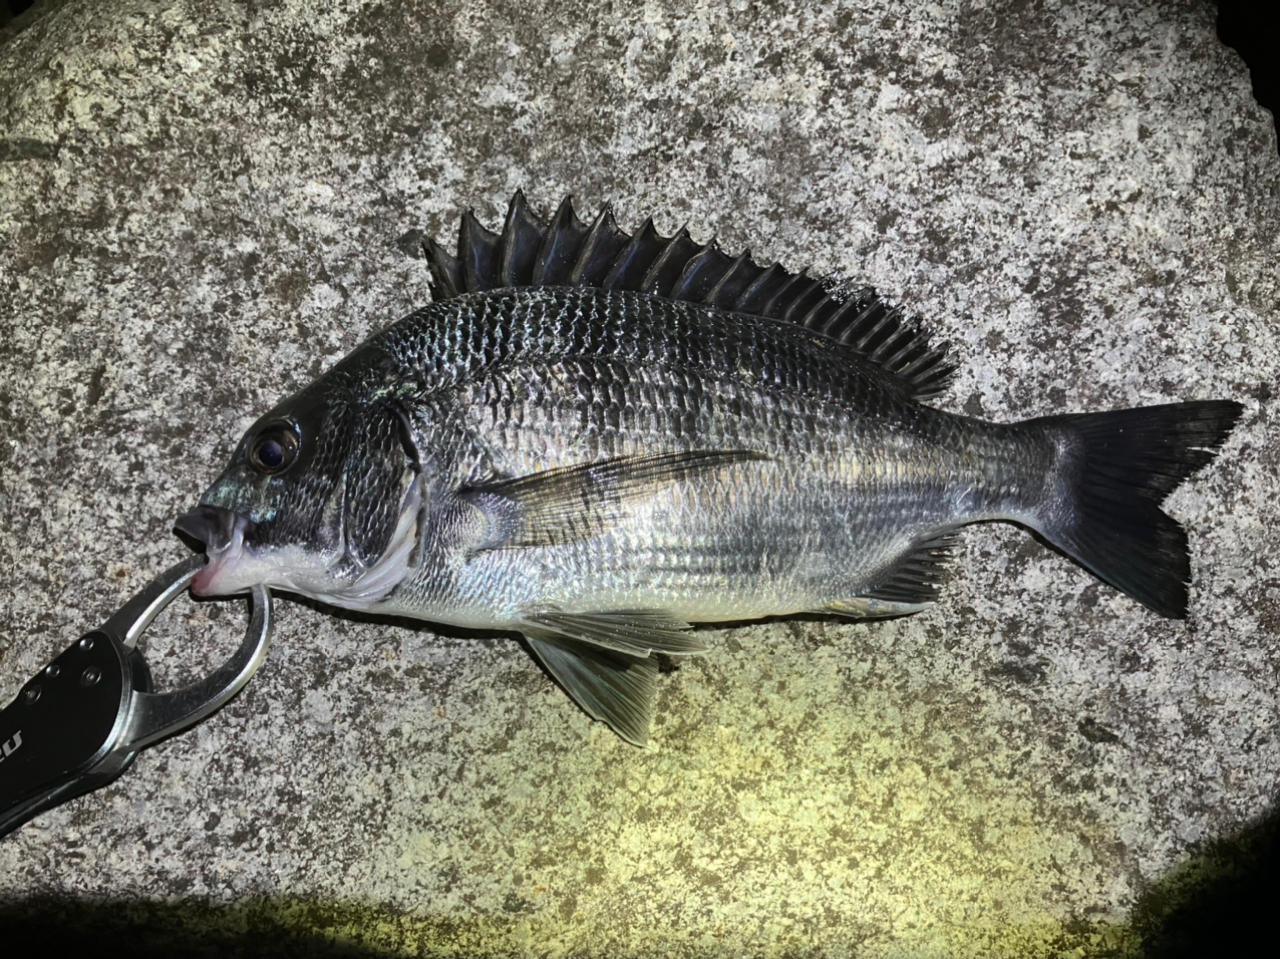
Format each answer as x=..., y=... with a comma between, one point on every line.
x=78, y=723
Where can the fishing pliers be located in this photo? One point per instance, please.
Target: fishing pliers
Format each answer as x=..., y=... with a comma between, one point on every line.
x=78, y=723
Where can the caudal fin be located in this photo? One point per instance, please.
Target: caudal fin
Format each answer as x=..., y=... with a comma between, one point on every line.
x=1117, y=468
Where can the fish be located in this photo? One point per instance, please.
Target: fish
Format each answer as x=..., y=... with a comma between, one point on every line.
x=598, y=439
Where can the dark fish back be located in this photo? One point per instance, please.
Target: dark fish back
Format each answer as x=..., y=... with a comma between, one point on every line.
x=531, y=253
x=641, y=352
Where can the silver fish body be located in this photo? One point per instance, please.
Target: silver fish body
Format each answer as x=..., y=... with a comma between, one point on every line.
x=598, y=467
x=847, y=473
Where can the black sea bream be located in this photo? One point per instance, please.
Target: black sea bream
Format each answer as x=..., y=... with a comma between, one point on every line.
x=597, y=439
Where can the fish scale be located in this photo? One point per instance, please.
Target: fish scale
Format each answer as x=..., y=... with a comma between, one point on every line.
x=657, y=389
x=598, y=439
x=841, y=474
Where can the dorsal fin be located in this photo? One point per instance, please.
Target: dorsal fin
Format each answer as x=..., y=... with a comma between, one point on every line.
x=567, y=252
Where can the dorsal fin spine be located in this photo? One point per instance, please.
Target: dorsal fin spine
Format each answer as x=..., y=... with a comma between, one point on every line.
x=756, y=291
x=661, y=278
x=476, y=249
x=737, y=278
x=521, y=239
x=700, y=273
x=849, y=314
x=797, y=284
x=862, y=321
x=817, y=315
x=603, y=243
x=446, y=272
x=831, y=325
x=560, y=247
x=634, y=261
x=806, y=302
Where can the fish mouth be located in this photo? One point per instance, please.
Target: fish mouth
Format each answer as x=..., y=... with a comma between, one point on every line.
x=222, y=532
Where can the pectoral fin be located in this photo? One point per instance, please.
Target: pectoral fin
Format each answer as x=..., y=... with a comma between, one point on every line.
x=573, y=503
x=612, y=687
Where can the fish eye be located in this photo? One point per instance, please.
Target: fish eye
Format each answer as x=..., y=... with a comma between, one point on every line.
x=274, y=449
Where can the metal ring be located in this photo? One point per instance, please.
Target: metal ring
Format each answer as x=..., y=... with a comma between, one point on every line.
x=154, y=716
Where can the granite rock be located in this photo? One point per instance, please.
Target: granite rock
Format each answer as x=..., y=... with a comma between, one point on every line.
x=202, y=206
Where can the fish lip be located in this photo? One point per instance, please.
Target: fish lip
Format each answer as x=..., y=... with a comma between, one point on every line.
x=215, y=527
x=223, y=533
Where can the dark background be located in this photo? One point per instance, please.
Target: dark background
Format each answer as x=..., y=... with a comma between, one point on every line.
x=1249, y=26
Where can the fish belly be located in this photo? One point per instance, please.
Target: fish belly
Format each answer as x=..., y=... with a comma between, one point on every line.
x=752, y=540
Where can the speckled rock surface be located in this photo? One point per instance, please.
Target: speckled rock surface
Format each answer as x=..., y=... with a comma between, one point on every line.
x=204, y=205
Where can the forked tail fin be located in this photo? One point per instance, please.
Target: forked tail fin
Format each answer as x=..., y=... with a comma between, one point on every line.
x=1116, y=470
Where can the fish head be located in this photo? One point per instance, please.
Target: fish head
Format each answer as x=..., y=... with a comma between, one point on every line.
x=321, y=498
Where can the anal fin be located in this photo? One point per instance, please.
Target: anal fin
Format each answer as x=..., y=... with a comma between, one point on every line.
x=912, y=581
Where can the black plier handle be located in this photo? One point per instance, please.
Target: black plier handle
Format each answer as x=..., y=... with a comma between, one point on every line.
x=78, y=723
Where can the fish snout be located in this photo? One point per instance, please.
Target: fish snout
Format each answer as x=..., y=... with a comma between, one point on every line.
x=222, y=532
x=215, y=527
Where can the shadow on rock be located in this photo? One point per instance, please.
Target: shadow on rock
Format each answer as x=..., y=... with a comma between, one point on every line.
x=141, y=929
x=1220, y=903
